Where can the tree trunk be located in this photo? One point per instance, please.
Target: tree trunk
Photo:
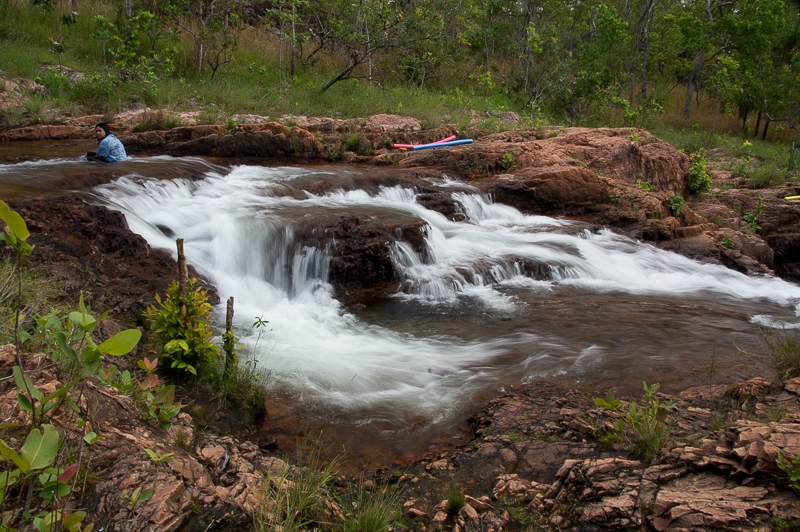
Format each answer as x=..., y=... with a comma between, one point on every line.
x=691, y=87
x=183, y=270
x=294, y=40
x=744, y=120
x=230, y=354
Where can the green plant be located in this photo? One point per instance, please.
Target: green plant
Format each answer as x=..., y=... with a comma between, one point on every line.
x=644, y=425
x=231, y=127
x=727, y=242
x=782, y=525
x=790, y=468
x=295, y=499
x=358, y=144
x=182, y=322
x=676, y=203
x=508, y=161
x=455, y=499
x=634, y=137
x=752, y=216
x=647, y=185
x=35, y=466
x=699, y=177
x=781, y=353
x=371, y=510
x=610, y=402
x=156, y=401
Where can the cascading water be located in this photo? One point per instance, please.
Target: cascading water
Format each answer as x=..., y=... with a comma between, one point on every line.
x=494, y=301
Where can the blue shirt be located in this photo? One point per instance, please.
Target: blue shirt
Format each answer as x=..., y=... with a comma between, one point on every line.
x=112, y=149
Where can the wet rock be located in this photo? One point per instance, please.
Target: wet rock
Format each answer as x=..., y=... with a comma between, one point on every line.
x=90, y=249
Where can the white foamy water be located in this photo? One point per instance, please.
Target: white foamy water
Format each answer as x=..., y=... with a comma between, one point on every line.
x=487, y=304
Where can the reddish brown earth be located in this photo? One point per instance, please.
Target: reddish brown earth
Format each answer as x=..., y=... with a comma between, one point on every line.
x=535, y=459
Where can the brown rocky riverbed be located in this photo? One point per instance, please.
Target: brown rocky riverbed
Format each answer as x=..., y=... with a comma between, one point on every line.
x=535, y=458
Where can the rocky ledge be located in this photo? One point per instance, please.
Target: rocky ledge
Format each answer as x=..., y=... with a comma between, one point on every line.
x=536, y=461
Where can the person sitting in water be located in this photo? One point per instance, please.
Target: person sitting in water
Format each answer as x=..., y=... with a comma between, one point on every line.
x=109, y=148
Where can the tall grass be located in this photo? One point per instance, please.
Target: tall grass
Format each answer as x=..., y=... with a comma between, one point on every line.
x=370, y=510
x=781, y=353
x=296, y=498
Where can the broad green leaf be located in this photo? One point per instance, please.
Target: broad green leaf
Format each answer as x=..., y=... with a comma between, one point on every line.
x=91, y=369
x=92, y=437
x=73, y=405
x=84, y=321
x=41, y=448
x=73, y=518
x=61, y=340
x=145, y=495
x=15, y=222
x=9, y=479
x=90, y=354
x=55, y=489
x=12, y=455
x=121, y=343
x=25, y=384
x=24, y=402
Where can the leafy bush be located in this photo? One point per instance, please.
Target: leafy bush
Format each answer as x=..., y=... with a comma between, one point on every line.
x=647, y=185
x=699, y=177
x=182, y=322
x=676, y=203
x=752, y=216
x=644, y=425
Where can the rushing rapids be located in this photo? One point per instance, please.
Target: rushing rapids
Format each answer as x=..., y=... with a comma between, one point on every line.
x=494, y=300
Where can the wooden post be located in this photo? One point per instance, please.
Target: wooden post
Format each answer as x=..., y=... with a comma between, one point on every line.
x=230, y=355
x=183, y=270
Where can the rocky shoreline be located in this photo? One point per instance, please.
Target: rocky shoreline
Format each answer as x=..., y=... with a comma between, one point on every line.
x=536, y=459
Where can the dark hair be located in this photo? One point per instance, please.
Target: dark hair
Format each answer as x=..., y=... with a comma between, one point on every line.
x=104, y=127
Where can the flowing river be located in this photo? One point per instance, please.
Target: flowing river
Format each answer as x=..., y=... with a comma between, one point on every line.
x=498, y=300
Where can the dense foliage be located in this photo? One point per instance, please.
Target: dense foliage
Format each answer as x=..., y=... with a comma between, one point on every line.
x=587, y=61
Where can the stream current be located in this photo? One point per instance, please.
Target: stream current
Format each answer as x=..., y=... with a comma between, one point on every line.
x=498, y=300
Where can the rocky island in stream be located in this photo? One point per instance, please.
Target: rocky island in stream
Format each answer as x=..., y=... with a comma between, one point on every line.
x=537, y=457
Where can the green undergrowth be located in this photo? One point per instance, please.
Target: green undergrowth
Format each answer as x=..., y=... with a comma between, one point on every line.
x=302, y=495
x=761, y=163
x=780, y=352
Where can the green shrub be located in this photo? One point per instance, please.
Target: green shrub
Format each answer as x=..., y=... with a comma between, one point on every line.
x=791, y=468
x=182, y=323
x=508, y=161
x=699, y=177
x=676, y=203
x=645, y=425
x=647, y=185
x=752, y=216
x=358, y=144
